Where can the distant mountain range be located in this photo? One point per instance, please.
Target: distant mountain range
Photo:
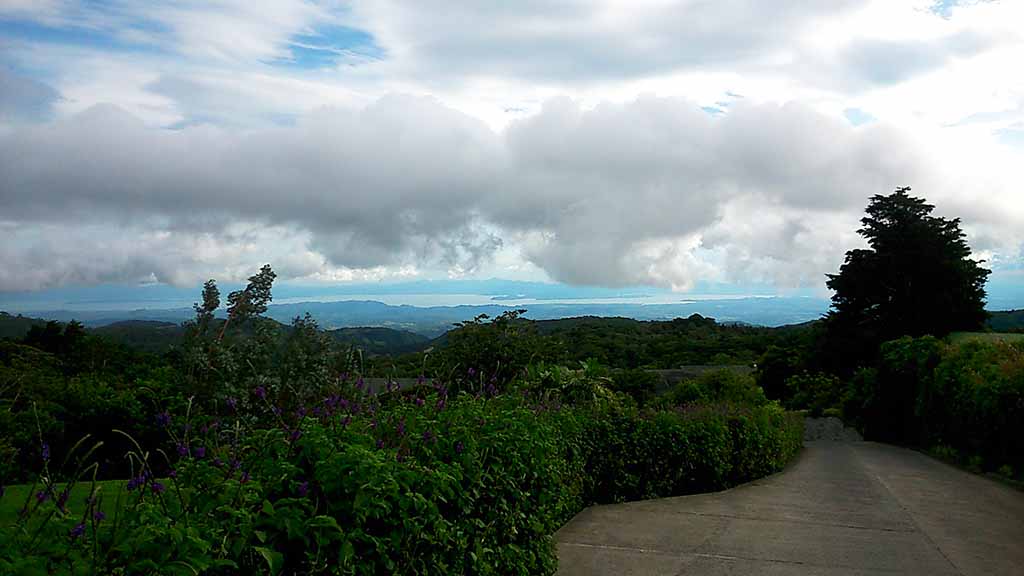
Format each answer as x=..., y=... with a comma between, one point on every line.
x=432, y=321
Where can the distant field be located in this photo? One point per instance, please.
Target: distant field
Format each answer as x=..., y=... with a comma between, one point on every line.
x=985, y=337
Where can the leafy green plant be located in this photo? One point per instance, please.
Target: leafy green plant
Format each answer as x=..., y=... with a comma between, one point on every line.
x=816, y=393
x=403, y=481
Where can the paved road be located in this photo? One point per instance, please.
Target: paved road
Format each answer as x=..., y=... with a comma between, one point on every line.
x=841, y=508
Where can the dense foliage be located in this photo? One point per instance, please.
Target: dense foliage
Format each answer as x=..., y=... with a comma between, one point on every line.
x=257, y=448
x=968, y=397
x=413, y=482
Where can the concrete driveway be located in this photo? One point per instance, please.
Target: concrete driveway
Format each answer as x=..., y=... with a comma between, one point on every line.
x=841, y=508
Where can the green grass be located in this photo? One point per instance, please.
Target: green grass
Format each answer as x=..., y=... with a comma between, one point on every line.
x=957, y=337
x=15, y=497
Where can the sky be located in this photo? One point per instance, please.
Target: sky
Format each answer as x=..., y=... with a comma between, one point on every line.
x=658, y=143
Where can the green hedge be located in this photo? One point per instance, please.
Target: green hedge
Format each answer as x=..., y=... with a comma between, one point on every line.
x=415, y=484
x=967, y=397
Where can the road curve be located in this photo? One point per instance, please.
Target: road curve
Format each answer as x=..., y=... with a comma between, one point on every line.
x=841, y=508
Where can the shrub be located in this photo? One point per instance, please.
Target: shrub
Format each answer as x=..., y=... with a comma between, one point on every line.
x=967, y=397
x=813, y=392
x=716, y=386
x=640, y=385
x=407, y=482
x=976, y=402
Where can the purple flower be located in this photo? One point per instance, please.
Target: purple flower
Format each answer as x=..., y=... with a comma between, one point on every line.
x=163, y=419
x=301, y=412
x=182, y=450
x=380, y=444
x=42, y=496
x=137, y=482
x=99, y=516
x=419, y=401
x=217, y=462
x=471, y=371
x=359, y=383
x=46, y=452
x=157, y=487
x=459, y=447
x=260, y=392
x=420, y=380
x=173, y=473
x=295, y=435
x=232, y=404
x=303, y=488
x=245, y=477
x=78, y=530
x=427, y=436
x=276, y=410
x=441, y=404
x=200, y=452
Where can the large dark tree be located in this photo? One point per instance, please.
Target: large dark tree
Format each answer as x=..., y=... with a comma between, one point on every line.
x=915, y=278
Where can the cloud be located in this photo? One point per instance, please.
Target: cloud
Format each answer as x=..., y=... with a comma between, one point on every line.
x=226, y=31
x=653, y=191
x=570, y=40
x=24, y=99
x=881, y=61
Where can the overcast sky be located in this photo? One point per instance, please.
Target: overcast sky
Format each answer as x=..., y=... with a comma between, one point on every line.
x=632, y=142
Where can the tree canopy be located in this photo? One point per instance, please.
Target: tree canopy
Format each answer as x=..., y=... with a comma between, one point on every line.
x=916, y=277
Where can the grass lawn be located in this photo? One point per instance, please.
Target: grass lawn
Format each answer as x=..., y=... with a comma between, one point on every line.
x=15, y=496
x=957, y=337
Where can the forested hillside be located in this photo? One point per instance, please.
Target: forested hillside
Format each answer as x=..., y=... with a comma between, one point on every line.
x=1007, y=321
x=379, y=340
x=16, y=327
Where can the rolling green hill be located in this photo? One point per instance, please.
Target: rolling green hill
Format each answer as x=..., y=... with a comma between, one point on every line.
x=628, y=343
x=144, y=335
x=15, y=327
x=379, y=340
x=1006, y=321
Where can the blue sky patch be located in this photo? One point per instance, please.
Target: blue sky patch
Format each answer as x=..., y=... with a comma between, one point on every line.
x=329, y=46
x=944, y=8
x=1012, y=136
x=858, y=117
x=78, y=36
